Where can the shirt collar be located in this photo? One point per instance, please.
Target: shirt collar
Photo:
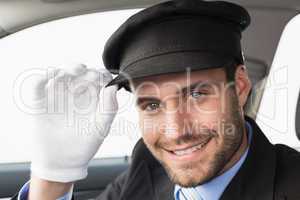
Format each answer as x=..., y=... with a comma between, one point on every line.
x=213, y=189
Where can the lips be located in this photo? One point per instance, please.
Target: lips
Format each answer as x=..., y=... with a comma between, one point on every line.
x=190, y=149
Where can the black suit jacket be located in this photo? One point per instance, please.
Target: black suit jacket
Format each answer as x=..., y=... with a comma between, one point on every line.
x=270, y=172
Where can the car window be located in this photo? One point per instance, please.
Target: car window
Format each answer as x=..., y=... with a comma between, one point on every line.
x=77, y=39
x=277, y=113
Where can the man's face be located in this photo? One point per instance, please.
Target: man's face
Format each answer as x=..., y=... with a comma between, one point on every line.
x=191, y=122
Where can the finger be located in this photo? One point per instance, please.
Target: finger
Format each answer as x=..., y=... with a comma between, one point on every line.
x=105, y=77
x=85, y=87
x=89, y=80
x=66, y=75
x=101, y=76
x=59, y=77
x=39, y=83
x=108, y=104
x=90, y=75
x=59, y=83
x=75, y=69
x=107, y=109
x=69, y=72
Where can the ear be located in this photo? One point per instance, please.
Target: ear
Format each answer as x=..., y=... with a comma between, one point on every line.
x=243, y=84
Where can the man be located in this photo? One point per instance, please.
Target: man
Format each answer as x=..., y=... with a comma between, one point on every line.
x=183, y=62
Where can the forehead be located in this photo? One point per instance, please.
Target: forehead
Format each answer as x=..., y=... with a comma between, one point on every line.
x=171, y=82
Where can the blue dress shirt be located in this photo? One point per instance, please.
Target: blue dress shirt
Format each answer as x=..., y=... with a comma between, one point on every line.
x=213, y=189
x=23, y=194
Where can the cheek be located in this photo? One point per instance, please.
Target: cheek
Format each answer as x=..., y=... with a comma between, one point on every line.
x=149, y=130
x=149, y=138
x=212, y=105
x=209, y=116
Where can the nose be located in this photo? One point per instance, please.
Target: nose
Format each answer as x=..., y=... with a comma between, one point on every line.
x=174, y=122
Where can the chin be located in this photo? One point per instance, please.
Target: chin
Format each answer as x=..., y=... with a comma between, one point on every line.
x=188, y=177
x=187, y=180
x=187, y=183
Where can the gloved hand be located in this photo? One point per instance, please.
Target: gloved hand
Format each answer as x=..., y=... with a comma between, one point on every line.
x=77, y=117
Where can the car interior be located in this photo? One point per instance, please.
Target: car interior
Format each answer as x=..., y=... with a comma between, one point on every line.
x=260, y=42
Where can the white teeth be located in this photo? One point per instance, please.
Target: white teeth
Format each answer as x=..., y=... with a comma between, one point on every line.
x=189, y=150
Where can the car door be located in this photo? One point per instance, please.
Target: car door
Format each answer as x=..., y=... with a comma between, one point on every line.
x=278, y=113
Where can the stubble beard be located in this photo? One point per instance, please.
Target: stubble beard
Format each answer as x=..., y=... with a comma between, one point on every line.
x=186, y=177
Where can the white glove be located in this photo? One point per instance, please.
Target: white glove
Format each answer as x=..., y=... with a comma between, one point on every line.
x=78, y=117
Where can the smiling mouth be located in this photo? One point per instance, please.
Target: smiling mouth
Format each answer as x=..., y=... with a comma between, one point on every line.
x=189, y=150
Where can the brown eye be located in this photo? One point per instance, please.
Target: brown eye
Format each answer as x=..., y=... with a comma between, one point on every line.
x=152, y=106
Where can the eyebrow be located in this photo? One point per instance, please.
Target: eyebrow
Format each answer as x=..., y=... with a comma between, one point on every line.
x=193, y=86
x=182, y=91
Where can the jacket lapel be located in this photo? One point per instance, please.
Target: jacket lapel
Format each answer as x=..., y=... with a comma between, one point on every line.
x=163, y=187
x=139, y=185
x=147, y=178
x=255, y=179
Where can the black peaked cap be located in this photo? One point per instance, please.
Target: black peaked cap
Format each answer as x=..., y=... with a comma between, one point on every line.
x=173, y=35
